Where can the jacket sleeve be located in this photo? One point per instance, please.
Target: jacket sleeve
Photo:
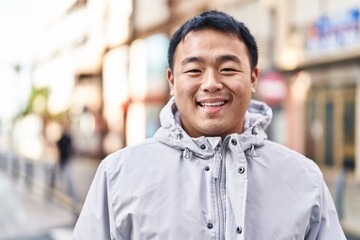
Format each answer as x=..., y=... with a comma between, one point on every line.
x=324, y=223
x=97, y=220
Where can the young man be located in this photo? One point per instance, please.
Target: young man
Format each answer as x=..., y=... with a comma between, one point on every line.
x=209, y=172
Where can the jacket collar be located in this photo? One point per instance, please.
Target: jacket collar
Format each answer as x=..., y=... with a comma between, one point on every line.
x=257, y=119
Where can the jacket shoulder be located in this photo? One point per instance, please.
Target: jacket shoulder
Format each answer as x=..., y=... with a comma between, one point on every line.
x=291, y=161
x=291, y=186
x=141, y=155
x=121, y=155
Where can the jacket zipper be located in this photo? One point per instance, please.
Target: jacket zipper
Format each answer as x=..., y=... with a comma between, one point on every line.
x=219, y=200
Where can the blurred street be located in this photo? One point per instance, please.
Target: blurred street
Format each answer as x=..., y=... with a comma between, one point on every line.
x=25, y=215
x=351, y=200
x=29, y=212
x=95, y=70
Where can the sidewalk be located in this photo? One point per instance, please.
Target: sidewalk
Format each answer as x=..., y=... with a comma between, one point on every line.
x=25, y=215
x=351, y=201
x=30, y=210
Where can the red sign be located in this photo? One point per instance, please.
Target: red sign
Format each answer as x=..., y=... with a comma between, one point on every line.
x=272, y=88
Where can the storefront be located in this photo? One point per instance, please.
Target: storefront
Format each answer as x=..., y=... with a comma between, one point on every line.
x=331, y=113
x=330, y=69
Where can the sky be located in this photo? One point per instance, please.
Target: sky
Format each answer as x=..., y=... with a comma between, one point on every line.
x=21, y=23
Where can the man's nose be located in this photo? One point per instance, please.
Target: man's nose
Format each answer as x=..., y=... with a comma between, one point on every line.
x=211, y=82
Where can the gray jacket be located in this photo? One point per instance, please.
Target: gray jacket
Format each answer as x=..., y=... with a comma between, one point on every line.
x=175, y=187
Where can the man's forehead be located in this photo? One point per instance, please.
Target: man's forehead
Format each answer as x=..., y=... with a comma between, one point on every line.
x=206, y=36
x=196, y=33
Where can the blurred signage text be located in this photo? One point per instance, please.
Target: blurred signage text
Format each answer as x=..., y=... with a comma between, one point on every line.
x=334, y=32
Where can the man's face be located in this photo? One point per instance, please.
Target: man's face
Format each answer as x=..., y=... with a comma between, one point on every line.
x=212, y=83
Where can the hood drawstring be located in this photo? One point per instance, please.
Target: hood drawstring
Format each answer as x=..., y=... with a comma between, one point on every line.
x=253, y=152
x=186, y=153
x=178, y=134
x=254, y=132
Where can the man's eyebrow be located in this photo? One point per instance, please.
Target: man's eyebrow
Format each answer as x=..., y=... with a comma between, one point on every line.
x=192, y=59
x=225, y=58
x=222, y=58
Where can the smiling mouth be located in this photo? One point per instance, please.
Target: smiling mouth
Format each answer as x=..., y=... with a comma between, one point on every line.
x=211, y=104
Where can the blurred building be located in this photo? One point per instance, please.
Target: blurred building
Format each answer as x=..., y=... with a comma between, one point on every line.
x=104, y=62
x=319, y=55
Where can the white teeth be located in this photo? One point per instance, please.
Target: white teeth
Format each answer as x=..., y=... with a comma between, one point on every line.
x=214, y=104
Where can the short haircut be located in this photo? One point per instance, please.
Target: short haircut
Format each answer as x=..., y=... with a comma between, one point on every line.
x=218, y=21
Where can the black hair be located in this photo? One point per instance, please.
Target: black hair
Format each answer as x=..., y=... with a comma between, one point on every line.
x=218, y=21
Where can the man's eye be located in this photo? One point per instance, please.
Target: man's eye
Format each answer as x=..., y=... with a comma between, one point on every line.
x=228, y=70
x=193, y=71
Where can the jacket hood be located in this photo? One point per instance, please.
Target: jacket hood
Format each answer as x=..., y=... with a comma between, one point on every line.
x=171, y=133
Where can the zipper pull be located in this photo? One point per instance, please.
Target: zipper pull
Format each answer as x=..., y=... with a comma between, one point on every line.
x=217, y=163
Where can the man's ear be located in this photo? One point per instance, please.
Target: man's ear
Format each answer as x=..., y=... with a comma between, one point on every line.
x=170, y=78
x=254, y=78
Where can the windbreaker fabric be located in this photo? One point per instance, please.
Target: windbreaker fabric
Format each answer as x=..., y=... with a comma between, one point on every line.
x=173, y=187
